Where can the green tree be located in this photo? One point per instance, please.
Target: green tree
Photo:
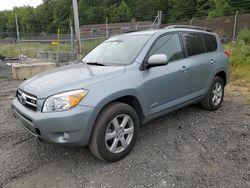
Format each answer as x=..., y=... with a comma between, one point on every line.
x=124, y=12
x=121, y=13
x=3, y=21
x=44, y=13
x=221, y=8
x=95, y=15
x=243, y=6
x=27, y=19
x=61, y=14
x=182, y=9
x=10, y=24
x=53, y=14
x=147, y=9
x=203, y=7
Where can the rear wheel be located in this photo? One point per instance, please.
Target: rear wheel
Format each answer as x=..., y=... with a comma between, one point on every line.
x=115, y=132
x=214, y=98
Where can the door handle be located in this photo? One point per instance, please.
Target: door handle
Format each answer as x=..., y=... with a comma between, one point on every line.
x=184, y=68
x=212, y=61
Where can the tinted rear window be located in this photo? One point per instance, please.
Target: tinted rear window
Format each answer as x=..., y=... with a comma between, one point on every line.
x=210, y=42
x=194, y=43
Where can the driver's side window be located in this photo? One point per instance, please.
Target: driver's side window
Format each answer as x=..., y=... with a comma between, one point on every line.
x=168, y=44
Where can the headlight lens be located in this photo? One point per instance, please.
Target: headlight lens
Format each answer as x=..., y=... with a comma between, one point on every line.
x=64, y=101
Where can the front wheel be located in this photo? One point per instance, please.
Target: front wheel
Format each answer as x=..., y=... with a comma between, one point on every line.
x=115, y=132
x=214, y=98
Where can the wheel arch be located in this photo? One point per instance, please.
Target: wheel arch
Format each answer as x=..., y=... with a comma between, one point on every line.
x=223, y=76
x=123, y=97
x=128, y=99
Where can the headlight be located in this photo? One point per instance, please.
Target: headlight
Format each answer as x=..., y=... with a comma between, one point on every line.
x=63, y=101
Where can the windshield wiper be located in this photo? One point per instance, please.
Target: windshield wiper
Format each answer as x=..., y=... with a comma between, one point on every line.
x=92, y=63
x=95, y=63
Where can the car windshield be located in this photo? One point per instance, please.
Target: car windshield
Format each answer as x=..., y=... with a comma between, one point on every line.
x=120, y=50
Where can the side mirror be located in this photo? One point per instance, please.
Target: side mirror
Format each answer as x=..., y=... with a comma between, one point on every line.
x=157, y=60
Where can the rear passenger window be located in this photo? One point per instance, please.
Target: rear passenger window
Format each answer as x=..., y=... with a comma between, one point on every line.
x=210, y=42
x=169, y=45
x=194, y=43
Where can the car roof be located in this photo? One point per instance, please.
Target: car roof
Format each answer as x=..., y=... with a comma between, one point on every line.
x=171, y=28
x=187, y=30
x=144, y=32
x=189, y=27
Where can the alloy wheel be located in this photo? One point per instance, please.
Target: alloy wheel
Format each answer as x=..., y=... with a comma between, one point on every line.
x=119, y=133
x=217, y=93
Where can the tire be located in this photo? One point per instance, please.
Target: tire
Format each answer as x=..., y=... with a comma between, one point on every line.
x=215, y=95
x=115, y=132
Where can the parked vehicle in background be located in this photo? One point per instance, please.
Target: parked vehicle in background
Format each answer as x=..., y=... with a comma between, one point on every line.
x=124, y=82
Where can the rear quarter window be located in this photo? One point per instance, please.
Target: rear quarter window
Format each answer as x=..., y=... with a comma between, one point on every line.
x=210, y=42
x=194, y=43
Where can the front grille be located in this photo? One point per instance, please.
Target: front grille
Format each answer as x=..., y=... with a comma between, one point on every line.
x=28, y=100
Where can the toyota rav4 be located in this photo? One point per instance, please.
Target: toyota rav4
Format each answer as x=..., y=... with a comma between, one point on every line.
x=124, y=82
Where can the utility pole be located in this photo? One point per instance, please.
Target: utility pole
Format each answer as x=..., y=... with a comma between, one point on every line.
x=77, y=29
x=18, y=39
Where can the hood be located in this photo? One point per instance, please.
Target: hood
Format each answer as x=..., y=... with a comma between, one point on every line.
x=70, y=77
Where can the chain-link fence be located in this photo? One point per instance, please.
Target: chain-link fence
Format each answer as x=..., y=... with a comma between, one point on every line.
x=54, y=47
x=61, y=47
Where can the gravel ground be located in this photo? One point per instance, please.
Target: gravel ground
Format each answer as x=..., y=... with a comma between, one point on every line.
x=188, y=148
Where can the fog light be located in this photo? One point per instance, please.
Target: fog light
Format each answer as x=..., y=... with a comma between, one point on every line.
x=66, y=136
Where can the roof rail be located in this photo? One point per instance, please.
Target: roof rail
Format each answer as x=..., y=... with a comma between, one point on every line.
x=189, y=27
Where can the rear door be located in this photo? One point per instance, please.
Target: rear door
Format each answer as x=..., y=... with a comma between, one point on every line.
x=200, y=62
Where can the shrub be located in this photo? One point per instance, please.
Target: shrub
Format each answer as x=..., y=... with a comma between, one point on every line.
x=244, y=36
x=240, y=53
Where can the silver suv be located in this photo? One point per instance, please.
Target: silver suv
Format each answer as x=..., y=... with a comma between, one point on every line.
x=124, y=82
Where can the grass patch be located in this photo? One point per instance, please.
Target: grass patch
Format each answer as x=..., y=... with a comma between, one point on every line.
x=239, y=86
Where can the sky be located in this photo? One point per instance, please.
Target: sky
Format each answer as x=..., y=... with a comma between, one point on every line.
x=9, y=4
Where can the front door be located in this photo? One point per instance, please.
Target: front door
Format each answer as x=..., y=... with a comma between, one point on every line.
x=166, y=86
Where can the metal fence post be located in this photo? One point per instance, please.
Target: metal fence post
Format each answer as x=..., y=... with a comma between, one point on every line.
x=159, y=18
x=71, y=39
x=235, y=25
x=107, y=31
x=191, y=21
x=18, y=39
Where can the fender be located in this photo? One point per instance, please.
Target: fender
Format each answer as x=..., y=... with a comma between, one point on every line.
x=107, y=100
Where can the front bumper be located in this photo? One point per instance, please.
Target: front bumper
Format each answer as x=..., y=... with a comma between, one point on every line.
x=49, y=127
